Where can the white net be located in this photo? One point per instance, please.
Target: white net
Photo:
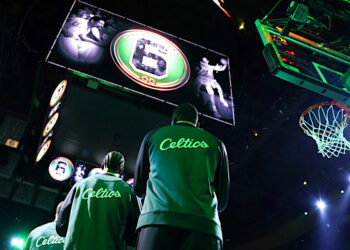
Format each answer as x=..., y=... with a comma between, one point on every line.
x=326, y=124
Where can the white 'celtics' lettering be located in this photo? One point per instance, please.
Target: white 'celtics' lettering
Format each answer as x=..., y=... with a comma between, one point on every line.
x=52, y=240
x=102, y=193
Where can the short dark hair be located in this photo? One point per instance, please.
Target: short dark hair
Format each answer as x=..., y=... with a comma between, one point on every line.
x=114, y=161
x=95, y=18
x=185, y=112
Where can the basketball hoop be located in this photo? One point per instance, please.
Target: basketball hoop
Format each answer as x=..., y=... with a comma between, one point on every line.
x=325, y=123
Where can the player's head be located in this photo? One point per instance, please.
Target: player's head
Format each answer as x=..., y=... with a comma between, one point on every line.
x=58, y=209
x=185, y=113
x=96, y=21
x=114, y=162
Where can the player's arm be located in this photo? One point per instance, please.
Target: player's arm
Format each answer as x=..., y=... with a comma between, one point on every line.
x=130, y=233
x=221, y=67
x=222, y=178
x=64, y=213
x=85, y=38
x=141, y=170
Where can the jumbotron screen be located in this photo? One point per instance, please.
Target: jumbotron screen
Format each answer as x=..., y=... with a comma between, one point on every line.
x=129, y=55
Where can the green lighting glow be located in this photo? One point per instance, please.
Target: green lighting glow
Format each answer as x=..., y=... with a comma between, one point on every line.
x=342, y=191
x=80, y=74
x=306, y=213
x=100, y=81
x=319, y=68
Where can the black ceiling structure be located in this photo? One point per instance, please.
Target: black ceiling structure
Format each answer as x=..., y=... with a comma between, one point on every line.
x=270, y=156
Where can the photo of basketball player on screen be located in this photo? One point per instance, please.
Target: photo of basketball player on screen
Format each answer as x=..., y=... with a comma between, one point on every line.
x=80, y=173
x=208, y=90
x=85, y=35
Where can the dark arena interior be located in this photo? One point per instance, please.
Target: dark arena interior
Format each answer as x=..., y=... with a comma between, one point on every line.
x=267, y=62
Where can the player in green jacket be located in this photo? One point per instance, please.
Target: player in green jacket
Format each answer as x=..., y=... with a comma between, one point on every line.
x=183, y=173
x=101, y=211
x=45, y=237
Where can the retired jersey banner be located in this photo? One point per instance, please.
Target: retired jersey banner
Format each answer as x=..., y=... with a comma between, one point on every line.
x=130, y=55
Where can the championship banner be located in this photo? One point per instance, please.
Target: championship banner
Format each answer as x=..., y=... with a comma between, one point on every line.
x=131, y=56
x=51, y=119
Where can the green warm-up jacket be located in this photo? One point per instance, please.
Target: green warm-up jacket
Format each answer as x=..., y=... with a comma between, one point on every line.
x=99, y=212
x=44, y=237
x=183, y=173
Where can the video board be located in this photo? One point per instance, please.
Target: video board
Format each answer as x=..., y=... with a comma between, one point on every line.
x=128, y=55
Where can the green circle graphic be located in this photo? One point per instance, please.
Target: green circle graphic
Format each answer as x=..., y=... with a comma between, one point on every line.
x=61, y=169
x=58, y=93
x=150, y=60
x=43, y=150
x=50, y=124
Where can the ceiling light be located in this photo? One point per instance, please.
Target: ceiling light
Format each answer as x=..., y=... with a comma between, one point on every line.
x=241, y=26
x=321, y=205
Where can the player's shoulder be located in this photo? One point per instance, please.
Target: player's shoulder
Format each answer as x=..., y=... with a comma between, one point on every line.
x=109, y=178
x=201, y=130
x=85, y=182
x=153, y=131
x=92, y=180
x=183, y=129
x=125, y=185
x=205, y=133
x=41, y=228
x=174, y=128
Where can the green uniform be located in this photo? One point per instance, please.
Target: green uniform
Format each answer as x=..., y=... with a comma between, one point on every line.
x=44, y=237
x=99, y=212
x=183, y=170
